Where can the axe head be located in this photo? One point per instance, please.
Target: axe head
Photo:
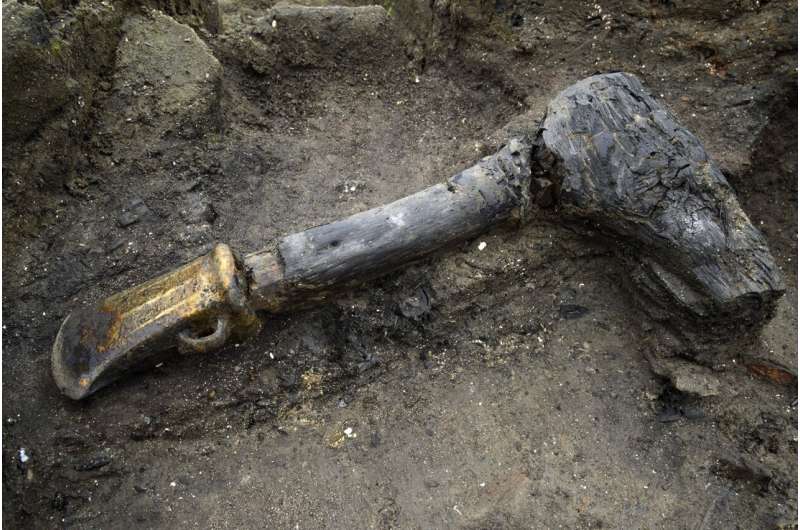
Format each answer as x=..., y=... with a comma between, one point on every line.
x=194, y=308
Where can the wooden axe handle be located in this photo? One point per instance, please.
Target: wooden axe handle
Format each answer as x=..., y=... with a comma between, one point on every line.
x=308, y=266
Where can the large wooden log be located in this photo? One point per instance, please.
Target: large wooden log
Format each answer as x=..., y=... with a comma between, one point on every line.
x=620, y=161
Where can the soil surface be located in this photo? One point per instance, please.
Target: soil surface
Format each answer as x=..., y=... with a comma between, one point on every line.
x=512, y=382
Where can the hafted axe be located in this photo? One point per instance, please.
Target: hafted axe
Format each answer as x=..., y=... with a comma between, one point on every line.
x=606, y=154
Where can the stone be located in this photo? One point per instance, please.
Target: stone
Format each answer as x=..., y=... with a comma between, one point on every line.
x=693, y=379
x=166, y=86
x=136, y=211
x=93, y=463
x=572, y=311
x=686, y=377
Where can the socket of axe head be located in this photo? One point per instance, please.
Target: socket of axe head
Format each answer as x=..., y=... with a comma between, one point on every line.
x=194, y=308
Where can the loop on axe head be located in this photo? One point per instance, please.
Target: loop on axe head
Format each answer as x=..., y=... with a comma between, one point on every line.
x=206, y=343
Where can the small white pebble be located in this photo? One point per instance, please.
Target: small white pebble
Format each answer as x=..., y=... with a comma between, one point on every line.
x=274, y=23
x=172, y=484
x=482, y=245
x=23, y=455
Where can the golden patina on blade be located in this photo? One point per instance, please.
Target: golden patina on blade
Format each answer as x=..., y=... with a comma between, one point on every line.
x=190, y=308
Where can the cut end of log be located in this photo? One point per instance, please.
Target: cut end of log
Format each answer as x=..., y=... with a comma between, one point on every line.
x=621, y=161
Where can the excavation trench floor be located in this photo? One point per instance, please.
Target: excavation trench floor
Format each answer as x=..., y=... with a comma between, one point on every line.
x=515, y=394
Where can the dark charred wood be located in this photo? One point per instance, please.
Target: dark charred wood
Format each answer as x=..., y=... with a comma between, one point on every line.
x=621, y=162
x=310, y=265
